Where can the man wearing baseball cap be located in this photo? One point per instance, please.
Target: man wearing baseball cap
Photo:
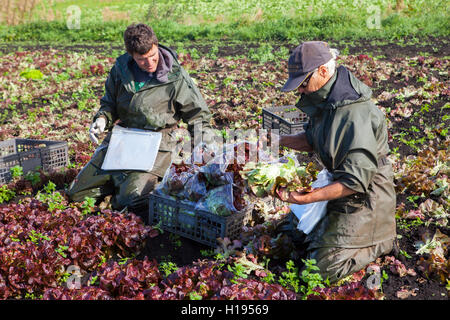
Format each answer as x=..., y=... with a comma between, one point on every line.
x=349, y=135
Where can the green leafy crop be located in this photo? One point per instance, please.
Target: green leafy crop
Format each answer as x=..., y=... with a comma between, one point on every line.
x=6, y=194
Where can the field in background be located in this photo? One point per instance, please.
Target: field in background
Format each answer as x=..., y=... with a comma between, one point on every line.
x=69, y=20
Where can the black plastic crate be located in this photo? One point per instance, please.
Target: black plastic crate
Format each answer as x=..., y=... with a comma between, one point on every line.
x=29, y=154
x=288, y=119
x=181, y=217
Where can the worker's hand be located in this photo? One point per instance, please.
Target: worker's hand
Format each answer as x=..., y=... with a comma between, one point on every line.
x=282, y=193
x=97, y=128
x=290, y=196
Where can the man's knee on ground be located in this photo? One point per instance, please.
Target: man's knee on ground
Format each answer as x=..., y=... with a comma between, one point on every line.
x=331, y=266
x=80, y=196
x=77, y=192
x=134, y=189
x=338, y=263
x=132, y=199
x=74, y=194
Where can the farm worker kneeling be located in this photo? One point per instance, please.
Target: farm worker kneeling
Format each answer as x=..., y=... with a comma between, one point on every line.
x=349, y=134
x=146, y=89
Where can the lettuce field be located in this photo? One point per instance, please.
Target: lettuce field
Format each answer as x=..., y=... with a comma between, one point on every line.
x=53, y=249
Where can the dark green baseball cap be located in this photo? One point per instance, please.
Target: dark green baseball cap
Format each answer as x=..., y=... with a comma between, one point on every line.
x=304, y=60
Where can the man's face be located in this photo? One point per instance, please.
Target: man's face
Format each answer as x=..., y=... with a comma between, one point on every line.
x=147, y=61
x=316, y=81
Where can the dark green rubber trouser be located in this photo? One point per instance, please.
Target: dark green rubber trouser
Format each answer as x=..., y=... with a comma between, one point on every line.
x=129, y=188
x=337, y=263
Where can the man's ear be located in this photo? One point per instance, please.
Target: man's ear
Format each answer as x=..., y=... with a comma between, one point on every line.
x=323, y=71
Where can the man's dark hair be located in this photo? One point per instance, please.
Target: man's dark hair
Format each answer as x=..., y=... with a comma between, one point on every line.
x=139, y=38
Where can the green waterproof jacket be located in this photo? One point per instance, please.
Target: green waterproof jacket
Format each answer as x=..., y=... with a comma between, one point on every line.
x=156, y=106
x=348, y=133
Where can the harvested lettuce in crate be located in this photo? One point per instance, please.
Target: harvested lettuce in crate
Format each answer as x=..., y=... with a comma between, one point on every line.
x=219, y=201
x=195, y=187
x=216, y=186
x=215, y=174
x=175, y=179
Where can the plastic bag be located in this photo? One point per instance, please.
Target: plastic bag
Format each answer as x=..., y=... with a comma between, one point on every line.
x=310, y=214
x=219, y=201
x=195, y=188
x=173, y=183
x=203, y=153
x=216, y=175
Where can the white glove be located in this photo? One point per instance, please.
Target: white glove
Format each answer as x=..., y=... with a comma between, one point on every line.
x=96, y=128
